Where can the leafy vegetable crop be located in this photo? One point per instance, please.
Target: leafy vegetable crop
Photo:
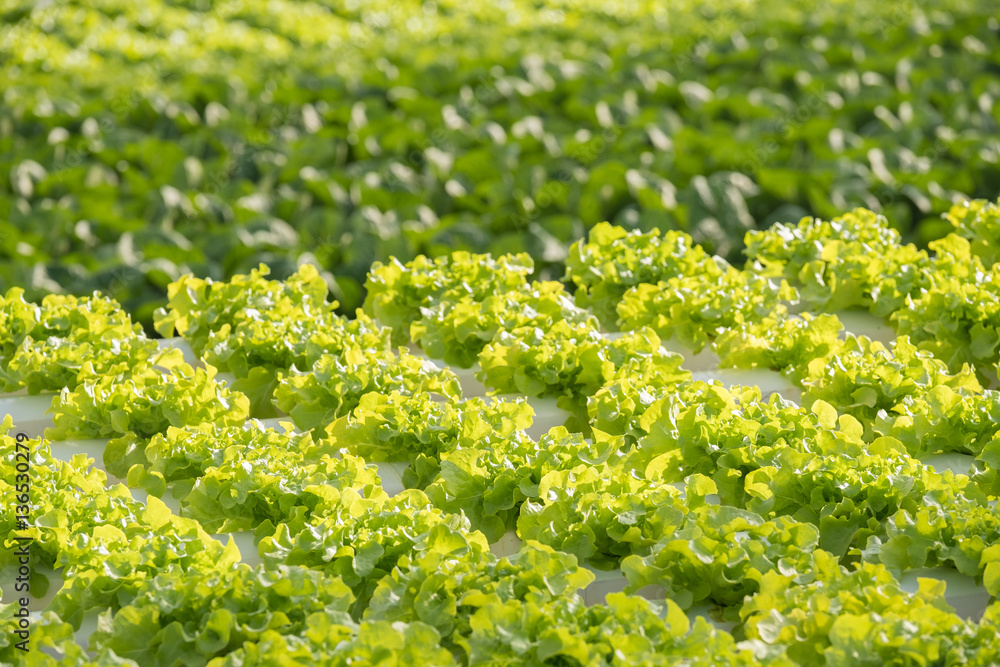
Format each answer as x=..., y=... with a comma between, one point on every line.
x=675, y=516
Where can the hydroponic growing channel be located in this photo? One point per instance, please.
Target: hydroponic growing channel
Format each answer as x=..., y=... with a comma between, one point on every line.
x=662, y=459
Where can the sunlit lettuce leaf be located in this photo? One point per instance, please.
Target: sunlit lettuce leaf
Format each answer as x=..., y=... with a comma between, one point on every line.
x=192, y=617
x=255, y=489
x=333, y=387
x=612, y=260
x=361, y=549
x=197, y=307
x=456, y=330
x=833, y=615
x=401, y=427
x=694, y=309
x=396, y=292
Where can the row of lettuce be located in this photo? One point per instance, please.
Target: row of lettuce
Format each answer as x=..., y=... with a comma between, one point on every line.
x=710, y=495
x=342, y=561
x=347, y=134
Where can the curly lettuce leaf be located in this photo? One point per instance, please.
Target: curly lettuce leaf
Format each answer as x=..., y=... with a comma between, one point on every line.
x=192, y=617
x=257, y=489
x=335, y=384
x=397, y=292
x=44, y=346
x=694, y=310
x=400, y=427
x=613, y=260
x=456, y=331
x=197, y=307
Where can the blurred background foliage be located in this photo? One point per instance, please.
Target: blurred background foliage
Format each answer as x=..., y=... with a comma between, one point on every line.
x=141, y=141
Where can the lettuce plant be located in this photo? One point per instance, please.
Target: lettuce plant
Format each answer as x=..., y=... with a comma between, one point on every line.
x=335, y=641
x=197, y=307
x=183, y=454
x=106, y=567
x=695, y=309
x=256, y=328
x=400, y=427
x=611, y=261
x=978, y=221
x=832, y=615
x=192, y=617
x=574, y=361
x=956, y=317
x=864, y=378
x=942, y=419
x=853, y=261
x=44, y=346
x=103, y=542
x=625, y=630
x=362, y=547
x=719, y=555
x=777, y=459
x=131, y=404
x=456, y=331
x=445, y=588
x=51, y=643
x=947, y=530
x=397, y=292
x=256, y=489
x=779, y=342
x=333, y=387
x=489, y=484
x=257, y=351
x=600, y=513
